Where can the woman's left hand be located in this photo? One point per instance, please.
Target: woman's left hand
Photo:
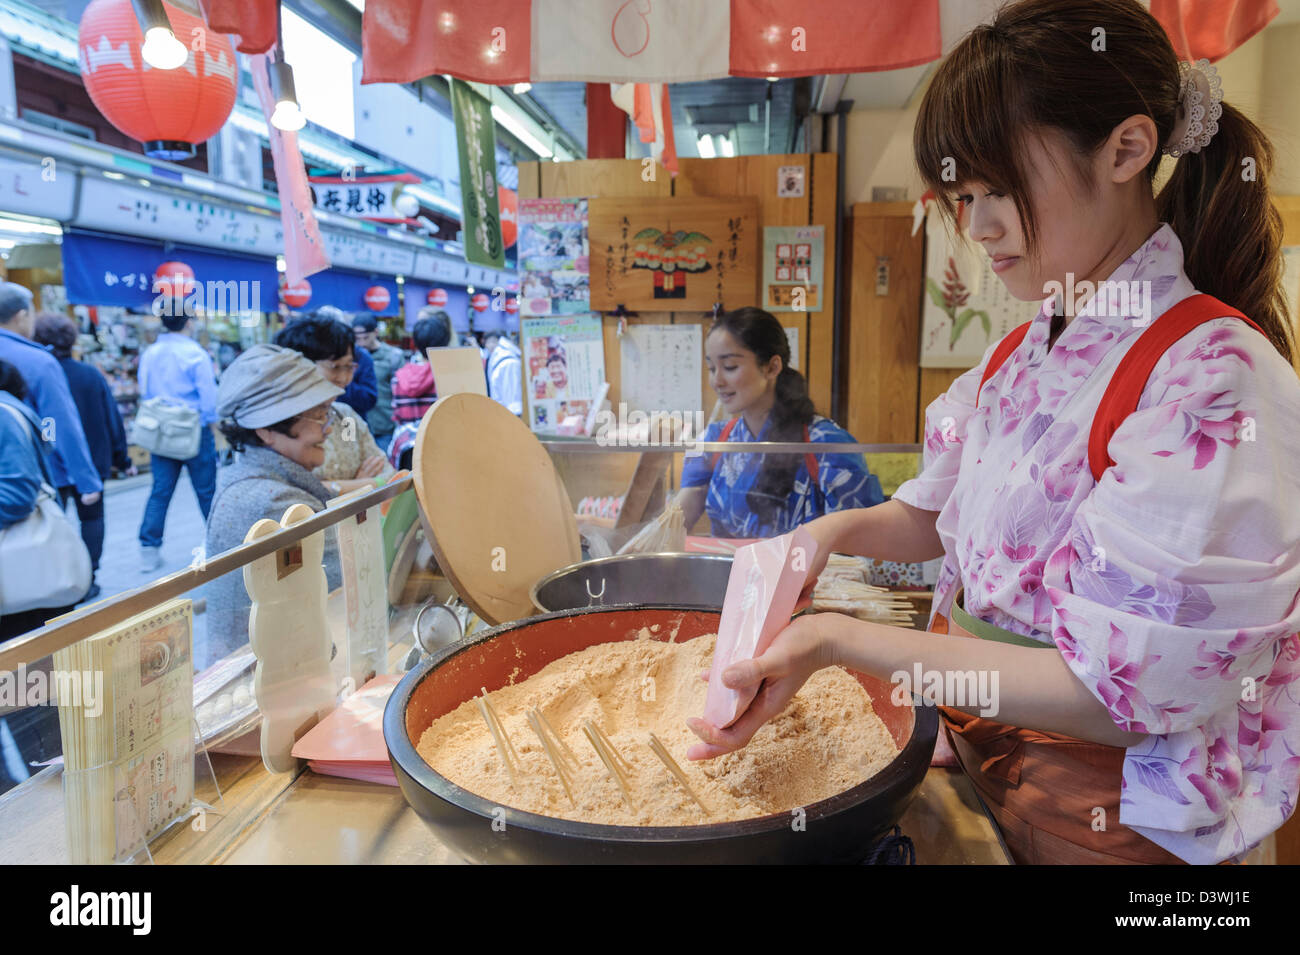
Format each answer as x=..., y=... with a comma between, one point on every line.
x=798, y=651
x=372, y=466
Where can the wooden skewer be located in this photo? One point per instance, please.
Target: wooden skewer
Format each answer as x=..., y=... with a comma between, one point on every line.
x=607, y=758
x=569, y=754
x=504, y=746
x=660, y=750
x=612, y=748
x=551, y=753
x=500, y=725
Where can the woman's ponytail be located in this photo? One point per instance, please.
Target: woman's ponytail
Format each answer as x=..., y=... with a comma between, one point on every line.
x=1217, y=202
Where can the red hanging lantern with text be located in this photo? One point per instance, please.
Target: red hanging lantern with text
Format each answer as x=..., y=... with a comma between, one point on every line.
x=298, y=294
x=437, y=297
x=512, y=305
x=479, y=302
x=168, y=110
x=377, y=298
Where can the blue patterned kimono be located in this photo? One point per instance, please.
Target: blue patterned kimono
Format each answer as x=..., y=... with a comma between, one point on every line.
x=843, y=481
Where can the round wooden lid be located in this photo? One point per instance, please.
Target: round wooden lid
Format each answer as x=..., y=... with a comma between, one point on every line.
x=495, y=511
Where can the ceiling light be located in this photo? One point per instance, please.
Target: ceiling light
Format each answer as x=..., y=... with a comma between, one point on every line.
x=521, y=133
x=522, y=88
x=705, y=147
x=288, y=115
x=726, y=147
x=161, y=49
x=773, y=79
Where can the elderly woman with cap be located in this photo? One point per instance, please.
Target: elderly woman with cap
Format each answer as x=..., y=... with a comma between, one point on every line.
x=273, y=407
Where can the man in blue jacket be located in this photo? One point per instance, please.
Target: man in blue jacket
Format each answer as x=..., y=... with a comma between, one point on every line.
x=48, y=395
x=176, y=368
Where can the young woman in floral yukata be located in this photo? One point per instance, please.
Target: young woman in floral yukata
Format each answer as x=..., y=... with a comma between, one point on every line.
x=1157, y=687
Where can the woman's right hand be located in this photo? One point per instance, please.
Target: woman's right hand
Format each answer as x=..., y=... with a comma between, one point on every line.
x=372, y=466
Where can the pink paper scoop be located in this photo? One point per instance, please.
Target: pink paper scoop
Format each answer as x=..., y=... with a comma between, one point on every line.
x=766, y=580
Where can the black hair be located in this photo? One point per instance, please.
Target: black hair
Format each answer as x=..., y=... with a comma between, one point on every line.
x=57, y=331
x=12, y=381
x=240, y=437
x=759, y=332
x=432, y=332
x=177, y=322
x=318, y=338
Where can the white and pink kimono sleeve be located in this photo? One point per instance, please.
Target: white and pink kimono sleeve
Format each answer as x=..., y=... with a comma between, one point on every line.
x=1174, y=595
x=946, y=420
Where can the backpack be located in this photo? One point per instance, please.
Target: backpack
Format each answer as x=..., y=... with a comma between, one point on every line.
x=1130, y=378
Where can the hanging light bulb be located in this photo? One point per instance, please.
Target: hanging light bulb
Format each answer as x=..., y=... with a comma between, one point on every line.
x=161, y=49
x=288, y=115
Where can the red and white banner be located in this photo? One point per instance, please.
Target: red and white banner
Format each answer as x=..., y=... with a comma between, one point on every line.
x=1211, y=28
x=253, y=20
x=304, y=250
x=638, y=41
x=652, y=113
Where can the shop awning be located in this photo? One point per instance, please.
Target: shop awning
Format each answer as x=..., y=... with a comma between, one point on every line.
x=347, y=290
x=100, y=269
x=457, y=304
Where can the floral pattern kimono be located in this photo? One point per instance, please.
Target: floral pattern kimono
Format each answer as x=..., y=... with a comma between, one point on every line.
x=1169, y=586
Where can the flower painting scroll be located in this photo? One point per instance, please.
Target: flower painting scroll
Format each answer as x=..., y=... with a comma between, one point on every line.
x=966, y=306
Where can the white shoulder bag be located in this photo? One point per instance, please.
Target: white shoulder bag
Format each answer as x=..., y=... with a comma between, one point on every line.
x=43, y=560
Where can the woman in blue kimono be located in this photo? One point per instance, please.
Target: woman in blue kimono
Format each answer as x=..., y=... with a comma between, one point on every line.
x=755, y=495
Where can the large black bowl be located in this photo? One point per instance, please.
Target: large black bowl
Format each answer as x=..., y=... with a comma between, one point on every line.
x=839, y=829
x=697, y=581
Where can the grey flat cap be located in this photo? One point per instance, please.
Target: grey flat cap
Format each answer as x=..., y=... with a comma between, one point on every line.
x=268, y=384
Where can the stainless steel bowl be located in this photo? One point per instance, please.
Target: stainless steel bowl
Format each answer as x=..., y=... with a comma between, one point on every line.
x=694, y=581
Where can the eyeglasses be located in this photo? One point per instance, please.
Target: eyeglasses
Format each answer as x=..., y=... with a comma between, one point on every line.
x=319, y=415
x=349, y=368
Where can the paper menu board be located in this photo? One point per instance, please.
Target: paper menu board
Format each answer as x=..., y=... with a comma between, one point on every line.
x=963, y=295
x=564, y=360
x=661, y=368
x=128, y=743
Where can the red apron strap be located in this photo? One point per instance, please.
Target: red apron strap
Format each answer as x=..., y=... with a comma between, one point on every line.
x=1000, y=354
x=722, y=436
x=1130, y=378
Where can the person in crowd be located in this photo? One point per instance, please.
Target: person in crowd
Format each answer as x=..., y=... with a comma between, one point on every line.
x=414, y=391
x=23, y=466
x=48, y=395
x=362, y=391
x=352, y=458
x=755, y=495
x=100, y=421
x=387, y=361
x=274, y=409
x=177, y=369
x=31, y=735
x=504, y=371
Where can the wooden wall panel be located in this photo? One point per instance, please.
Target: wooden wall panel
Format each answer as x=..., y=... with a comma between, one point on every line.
x=820, y=348
x=742, y=175
x=883, y=331
x=601, y=177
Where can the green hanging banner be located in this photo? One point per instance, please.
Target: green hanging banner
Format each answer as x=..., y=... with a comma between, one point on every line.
x=476, y=146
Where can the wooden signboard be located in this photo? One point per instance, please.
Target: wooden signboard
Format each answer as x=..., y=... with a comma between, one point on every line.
x=661, y=254
x=457, y=370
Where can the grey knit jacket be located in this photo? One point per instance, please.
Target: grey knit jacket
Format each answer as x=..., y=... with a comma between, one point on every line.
x=260, y=483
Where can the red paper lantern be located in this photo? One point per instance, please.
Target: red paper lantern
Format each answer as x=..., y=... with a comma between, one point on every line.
x=173, y=278
x=168, y=110
x=508, y=202
x=377, y=298
x=479, y=302
x=298, y=294
x=512, y=305
x=437, y=297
